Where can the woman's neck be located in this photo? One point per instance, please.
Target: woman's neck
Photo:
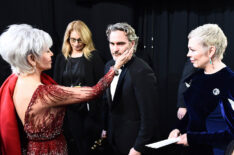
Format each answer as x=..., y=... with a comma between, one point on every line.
x=76, y=54
x=34, y=77
x=216, y=66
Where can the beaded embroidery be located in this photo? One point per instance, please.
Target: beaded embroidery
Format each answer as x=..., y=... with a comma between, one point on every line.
x=44, y=115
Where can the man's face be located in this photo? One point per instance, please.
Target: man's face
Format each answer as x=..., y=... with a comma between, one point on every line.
x=118, y=43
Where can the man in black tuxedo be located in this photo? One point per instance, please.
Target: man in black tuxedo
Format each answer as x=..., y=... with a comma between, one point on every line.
x=132, y=98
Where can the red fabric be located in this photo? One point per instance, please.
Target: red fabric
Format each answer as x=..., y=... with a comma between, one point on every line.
x=9, y=135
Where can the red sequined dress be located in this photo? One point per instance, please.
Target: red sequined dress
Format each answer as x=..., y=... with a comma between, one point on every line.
x=45, y=113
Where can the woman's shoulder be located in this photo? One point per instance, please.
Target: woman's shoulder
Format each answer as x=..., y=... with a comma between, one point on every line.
x=139, y=65
x=96, y=56
x=95, y=53
x=230, y=72
x=60, y=56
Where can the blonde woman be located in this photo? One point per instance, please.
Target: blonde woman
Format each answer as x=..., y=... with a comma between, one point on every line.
x=79, y=64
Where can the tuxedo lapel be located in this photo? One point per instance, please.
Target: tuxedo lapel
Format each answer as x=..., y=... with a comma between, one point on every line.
x=120, y=83
x=121, y=78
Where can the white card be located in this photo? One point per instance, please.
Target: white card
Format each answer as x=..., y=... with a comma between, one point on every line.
x=163, y=143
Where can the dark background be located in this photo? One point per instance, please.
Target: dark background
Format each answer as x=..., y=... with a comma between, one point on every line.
x=162, y=26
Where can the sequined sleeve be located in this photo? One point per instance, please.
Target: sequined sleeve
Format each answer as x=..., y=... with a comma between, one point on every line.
x=81, y=94
x=55, y=95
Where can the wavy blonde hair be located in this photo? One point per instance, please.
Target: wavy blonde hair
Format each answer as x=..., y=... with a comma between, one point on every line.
x=85, y=35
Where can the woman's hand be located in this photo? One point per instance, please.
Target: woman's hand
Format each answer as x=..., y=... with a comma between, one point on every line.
x=104, y=134
x=124, y=58
x=134, y=152
x=181, y=112
x=174, y=133
x=183, y=140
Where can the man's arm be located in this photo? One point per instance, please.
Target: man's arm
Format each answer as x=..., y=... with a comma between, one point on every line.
x=146, y=92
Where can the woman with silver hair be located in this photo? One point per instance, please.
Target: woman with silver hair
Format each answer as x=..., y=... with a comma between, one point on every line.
x=208, y=126
x=34, y=97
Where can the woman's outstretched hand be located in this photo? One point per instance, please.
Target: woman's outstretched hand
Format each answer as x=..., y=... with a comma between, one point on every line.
x=124, y=58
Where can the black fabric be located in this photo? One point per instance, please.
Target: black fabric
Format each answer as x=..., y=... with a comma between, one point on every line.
x=133, y=113
x=82, y=127
x=5, y=70
x=187, y=71
x=208, y=124
x=74, y=73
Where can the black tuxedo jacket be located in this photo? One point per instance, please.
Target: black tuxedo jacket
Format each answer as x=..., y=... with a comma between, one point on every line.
x=132, y=115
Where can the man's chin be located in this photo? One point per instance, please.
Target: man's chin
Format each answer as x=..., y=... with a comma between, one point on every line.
x=115, y=58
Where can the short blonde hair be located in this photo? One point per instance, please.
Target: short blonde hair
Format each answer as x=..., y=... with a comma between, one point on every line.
x=211, y=35
x=85, y=36
x=20, y=40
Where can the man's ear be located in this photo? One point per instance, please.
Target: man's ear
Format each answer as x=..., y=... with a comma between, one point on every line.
x=133, y=43
x=31, y=60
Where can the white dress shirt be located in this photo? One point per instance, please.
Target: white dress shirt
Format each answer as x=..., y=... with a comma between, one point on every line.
x=114, y=84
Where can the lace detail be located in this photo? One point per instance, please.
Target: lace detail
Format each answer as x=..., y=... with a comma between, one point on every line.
x=83, y=94
x=104, y=82
x=45, y=113
x=43, y=122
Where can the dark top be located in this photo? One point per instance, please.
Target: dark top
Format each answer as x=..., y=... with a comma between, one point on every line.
x=83, y=122
x=188, y=70
x=84, y=72
x=74, y=73
x=210, y=116
x=79, y=71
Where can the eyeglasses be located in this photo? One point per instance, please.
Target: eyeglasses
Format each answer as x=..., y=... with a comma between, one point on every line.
x=74, y=40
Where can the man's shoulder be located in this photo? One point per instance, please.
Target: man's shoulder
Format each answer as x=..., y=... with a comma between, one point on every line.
x=141, y=64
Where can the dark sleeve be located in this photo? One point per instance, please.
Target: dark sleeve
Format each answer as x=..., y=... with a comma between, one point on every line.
x=105, y=104
x=187, y=71
x=97, y=72
x=58, y=68
x=98, y=65
x=146, y=92
x=211, y=138
x=182, y=124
